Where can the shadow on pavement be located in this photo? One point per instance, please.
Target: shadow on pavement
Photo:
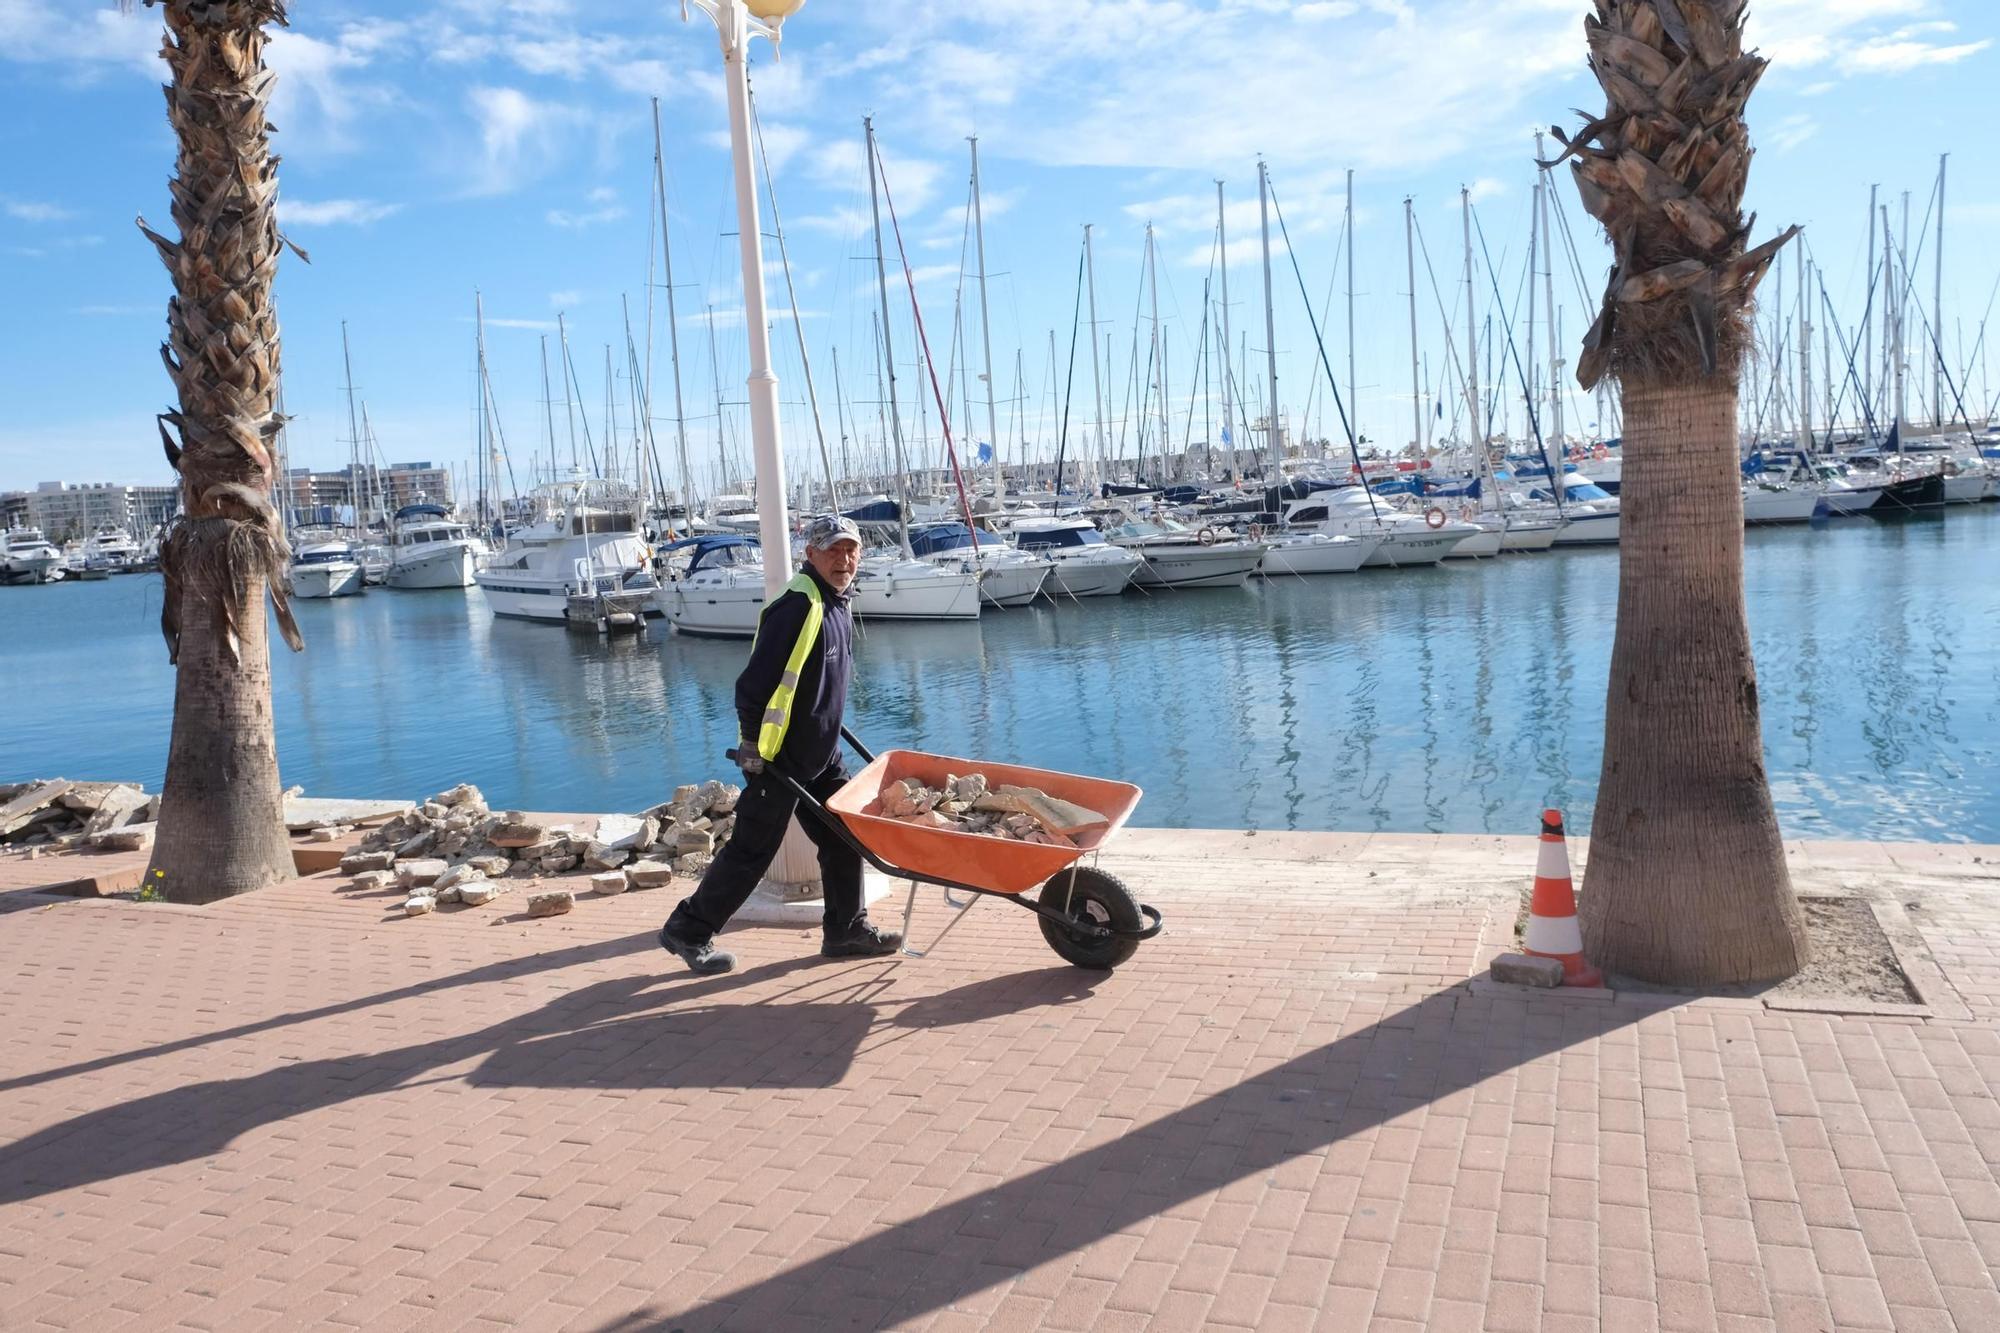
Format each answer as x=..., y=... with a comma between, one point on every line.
x=1442, y=1045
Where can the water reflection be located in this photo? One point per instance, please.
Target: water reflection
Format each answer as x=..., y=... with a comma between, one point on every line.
x=1452, y=699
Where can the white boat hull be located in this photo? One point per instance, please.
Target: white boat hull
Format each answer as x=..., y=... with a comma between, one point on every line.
x=316, y=581
x=717, y=611
x=1762, y=506
x=1589, y=530
x=1530, y=536
x=1219, y=566
x=440, y=565
x=1966, y=488
x=33, y=569
x=1857, y=500
x=1013, y=584
x=1092, y=578
x=1411, y=548
x=1485, y=542
x=929, y=593
x=1318, y=554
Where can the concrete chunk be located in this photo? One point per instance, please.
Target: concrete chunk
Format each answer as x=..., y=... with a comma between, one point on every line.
x=610, y=882
x=1519, y=969
x=553, y=903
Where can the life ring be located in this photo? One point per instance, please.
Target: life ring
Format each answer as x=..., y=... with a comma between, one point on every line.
x=1434, y=517
x=1206, y=536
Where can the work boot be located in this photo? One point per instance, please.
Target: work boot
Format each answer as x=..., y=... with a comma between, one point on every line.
x=703, y=959
x=862, y=940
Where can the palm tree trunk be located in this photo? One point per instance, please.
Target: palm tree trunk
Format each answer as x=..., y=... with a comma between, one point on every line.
x=222, y=829
x=1686, y=879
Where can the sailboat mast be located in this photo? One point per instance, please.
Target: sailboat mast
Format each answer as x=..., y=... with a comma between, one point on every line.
x=1353, y=398
x=1416, y=379
x=1867, y=343
x=1549, y=302
x=888, y=347
x=1277, y=444
x=986, y=335
x=1096, y=377
x=673, y=321
x=1228, y=380
x=840, y=418
x=1937, y=306
x=569, y=405
x=1474, y=428
x=1805, y=360
x=715, y=374
x=1896, y=352
x=1153, y=286
x=357, y=488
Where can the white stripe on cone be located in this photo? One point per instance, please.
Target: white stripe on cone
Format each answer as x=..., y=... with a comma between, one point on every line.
x=1553, y=935
x=1552, y=861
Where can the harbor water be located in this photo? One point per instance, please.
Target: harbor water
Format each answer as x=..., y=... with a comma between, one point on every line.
x=1459, y=699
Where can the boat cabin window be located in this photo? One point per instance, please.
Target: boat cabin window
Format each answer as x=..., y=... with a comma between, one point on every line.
x=1050, y=539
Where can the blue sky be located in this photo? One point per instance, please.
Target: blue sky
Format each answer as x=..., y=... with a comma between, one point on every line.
x=437, y=147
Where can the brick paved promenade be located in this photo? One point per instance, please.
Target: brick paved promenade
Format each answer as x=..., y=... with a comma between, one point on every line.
x=1290, y=1111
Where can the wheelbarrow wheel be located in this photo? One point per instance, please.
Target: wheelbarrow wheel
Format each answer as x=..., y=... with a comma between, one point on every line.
x=1085, y=894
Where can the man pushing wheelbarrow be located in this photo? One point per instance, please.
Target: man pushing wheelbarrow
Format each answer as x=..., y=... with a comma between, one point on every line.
x=789, y=702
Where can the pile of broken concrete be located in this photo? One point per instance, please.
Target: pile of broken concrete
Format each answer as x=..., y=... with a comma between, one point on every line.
x=454, y=849
x=969, y=805
x=55, y=814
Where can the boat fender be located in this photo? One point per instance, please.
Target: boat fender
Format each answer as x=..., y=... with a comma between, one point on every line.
x=1434, y=517
x=1206, y=536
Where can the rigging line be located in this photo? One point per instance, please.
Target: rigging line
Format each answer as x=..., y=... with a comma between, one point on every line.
x=576, y=387
x=1847, y=353
x=930, y=366
x=1534, y=417
x=1333, y=387
x=1437, y=294
x=1569, y=243
x=1194, y=388
x=1069, y=387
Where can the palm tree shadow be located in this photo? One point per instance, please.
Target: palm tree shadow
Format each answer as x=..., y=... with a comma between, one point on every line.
x=1443, y=1045
x=198, y=1120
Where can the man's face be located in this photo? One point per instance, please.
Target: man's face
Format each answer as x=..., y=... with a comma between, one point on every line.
x=836, y=563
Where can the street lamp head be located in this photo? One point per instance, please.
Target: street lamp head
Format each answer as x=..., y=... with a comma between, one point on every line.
x=773, y=12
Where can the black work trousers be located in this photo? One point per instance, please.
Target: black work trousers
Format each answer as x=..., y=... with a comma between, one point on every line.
x=763, y=813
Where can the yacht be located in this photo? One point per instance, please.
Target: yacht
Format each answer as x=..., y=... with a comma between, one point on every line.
x=1085, y=564
x=1013, y=577
x=1590, y=511
x=1177, y=556
x=583, y=540
x=29, y=558
x=892, y=587
x=430, y=550
x=112, y=549
x=1777, y=502
x=715, y=586
x=1402, y=539
x=325, y=566
x=1316, y=553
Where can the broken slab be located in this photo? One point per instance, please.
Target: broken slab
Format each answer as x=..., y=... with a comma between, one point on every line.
x=1519, y=969
x=305, y=812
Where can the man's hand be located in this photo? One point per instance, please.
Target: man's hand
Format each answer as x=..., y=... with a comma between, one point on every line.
x=750, y=762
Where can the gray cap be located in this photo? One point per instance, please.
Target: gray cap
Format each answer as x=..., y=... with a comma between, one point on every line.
x=828, y=530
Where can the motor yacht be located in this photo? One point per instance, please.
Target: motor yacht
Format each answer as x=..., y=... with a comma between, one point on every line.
x=28, y=557
x=1403, y=539
x=112, y=549
x=1177, y=556
x=1013, y=577
x=324, y=565
x=582, y=540
x=430, y=550
x=1086, y=565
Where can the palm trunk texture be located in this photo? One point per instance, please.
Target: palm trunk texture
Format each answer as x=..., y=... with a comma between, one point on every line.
x=222, y=828
x=1686, y=877
x=1686, y=880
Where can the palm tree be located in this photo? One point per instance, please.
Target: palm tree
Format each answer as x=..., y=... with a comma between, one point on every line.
x=1686, y=877
x=222, y=826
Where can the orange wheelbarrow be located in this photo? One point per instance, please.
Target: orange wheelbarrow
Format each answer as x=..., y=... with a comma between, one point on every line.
x=1087, y=916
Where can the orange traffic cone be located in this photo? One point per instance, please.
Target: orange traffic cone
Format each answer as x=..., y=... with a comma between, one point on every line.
x=1552, y=928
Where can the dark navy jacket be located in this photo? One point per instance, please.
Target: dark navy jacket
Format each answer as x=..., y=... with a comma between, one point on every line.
x=812, y=743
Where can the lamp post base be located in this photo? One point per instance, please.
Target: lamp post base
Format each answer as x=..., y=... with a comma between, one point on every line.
x=790, y=894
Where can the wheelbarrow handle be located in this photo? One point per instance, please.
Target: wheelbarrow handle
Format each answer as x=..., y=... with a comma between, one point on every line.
x=867, y=755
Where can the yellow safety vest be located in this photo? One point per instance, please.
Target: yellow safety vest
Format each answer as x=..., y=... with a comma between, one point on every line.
x=778, y=713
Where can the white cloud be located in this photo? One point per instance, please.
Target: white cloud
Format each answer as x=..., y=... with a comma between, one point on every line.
x=82, y=38
x=1890, y=56
x=34, y=210
x=1851, y=36
x=505, y=322
x=564, y=299
x=1792, y=131
x=333, y=212
x=603, y=207
x=520, y=137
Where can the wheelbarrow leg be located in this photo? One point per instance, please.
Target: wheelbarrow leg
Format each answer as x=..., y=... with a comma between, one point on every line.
x=909, y=909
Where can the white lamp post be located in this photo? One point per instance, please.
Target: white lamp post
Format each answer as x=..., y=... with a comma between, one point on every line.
x=738, y=21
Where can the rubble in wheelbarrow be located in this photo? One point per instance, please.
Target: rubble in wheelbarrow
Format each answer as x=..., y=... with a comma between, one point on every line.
x=969, y=804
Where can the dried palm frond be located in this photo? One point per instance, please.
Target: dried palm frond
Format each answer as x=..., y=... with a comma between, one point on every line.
x=1663, y=170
